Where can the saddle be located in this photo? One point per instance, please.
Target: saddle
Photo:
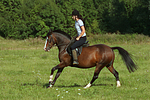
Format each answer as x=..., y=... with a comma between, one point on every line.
x=78, y=49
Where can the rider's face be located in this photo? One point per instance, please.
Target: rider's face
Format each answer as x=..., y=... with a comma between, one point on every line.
x=74, y=17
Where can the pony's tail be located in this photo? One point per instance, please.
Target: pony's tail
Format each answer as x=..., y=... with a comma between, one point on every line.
x=131, y=66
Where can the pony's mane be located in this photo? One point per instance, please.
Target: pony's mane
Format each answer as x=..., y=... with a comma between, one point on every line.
x=59, y=32
x=63, y=33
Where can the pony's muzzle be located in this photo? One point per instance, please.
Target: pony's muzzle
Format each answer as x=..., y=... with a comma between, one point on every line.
x=46, y=49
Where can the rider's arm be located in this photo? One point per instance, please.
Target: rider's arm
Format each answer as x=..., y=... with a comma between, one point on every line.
x=82, y=32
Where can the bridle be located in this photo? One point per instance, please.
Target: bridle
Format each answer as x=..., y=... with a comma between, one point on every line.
x=52, y=41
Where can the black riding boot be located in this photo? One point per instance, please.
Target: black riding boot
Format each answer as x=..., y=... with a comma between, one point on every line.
x=75, y=57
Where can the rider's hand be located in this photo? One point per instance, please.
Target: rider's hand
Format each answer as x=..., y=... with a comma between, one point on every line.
x=77, y=38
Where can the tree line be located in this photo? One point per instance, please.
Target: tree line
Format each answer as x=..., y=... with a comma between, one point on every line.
x=21, y=19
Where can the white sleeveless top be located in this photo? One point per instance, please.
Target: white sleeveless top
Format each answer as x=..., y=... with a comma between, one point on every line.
x=78, y=24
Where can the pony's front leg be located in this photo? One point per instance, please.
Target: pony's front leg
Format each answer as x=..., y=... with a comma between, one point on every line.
x=51, y=75
x=60, y=69
x=52, y=71
x=57, y=75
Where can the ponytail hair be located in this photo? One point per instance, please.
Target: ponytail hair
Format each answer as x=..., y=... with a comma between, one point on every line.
x=80, y=17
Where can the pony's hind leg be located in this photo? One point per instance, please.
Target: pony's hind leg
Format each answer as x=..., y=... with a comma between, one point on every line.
x=99, y=67
x=115, y=73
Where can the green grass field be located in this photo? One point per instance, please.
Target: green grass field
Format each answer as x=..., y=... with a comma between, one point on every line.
x=25, y=69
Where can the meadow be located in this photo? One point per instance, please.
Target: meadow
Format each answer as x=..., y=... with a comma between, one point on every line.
x=25, y=69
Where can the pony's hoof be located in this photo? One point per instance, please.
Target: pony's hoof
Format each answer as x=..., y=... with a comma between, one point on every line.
x=88, y=86
x=50, y=86
x=118, y=84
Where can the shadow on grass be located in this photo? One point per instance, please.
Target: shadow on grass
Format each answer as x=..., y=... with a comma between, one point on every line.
x=102, y=84
x=28, y=84
x=63, y=86
x=76, y=85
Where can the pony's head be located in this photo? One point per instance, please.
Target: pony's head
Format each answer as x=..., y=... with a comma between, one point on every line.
x=57, y=37
x=49, y=41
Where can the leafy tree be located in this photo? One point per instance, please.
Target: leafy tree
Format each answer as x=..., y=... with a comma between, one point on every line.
x=20, y=19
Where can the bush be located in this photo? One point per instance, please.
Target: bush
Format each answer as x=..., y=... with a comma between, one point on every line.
x=21, y=19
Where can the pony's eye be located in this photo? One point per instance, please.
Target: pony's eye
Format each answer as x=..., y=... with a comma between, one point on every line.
x=48, y=40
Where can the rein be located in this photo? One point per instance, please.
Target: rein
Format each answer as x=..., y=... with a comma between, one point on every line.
x=56, y=43
x=62, y=44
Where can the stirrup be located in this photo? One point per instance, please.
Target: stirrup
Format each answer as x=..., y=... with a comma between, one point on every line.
x=75, y=62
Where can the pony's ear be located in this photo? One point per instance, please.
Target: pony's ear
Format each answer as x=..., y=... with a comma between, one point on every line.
x=49, y=33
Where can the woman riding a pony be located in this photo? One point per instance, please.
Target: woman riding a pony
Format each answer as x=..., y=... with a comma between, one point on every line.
x=81, y=35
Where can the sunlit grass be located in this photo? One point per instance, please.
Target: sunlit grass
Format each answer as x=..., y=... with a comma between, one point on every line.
x=119, y=39
x=25, y=69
